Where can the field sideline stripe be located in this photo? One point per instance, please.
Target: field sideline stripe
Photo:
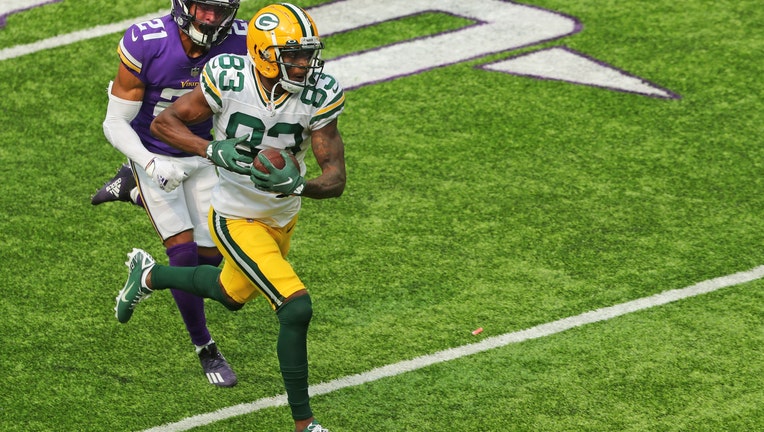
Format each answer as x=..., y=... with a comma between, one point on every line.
x=70, y=38
x=490, y=343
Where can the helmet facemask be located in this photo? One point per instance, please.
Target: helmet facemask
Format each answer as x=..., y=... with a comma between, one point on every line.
x=306, y=55
x=207, y=34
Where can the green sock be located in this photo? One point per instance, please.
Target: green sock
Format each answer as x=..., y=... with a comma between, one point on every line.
x=201, y=280
x=292, y=350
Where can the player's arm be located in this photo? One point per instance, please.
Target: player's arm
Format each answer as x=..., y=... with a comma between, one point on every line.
x=329, y=150
x=171, y=126
x=125, y=100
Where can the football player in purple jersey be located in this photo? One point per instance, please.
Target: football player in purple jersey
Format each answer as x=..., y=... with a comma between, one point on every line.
x=160, y=60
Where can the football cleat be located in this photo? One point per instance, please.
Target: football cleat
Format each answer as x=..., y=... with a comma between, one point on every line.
x=135, y=290
x=216, y=367
x=116, y=189
x=315, y=427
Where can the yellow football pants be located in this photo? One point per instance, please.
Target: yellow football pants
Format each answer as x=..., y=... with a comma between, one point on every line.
x=255, y=259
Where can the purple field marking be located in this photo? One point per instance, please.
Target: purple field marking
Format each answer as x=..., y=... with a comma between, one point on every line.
x=5, y=16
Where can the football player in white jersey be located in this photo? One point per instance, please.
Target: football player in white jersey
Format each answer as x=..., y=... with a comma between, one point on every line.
x=277, y=96
x=161, y=59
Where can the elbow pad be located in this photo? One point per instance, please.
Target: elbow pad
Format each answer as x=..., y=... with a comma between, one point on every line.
x=117, y=129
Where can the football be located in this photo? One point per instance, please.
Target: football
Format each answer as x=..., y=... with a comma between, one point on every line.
x=274, y=156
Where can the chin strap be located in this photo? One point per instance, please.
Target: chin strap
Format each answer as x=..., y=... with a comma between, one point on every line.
x=271, y=106
x=199, y=38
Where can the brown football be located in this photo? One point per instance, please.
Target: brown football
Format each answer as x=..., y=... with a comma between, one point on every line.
x=274, y=156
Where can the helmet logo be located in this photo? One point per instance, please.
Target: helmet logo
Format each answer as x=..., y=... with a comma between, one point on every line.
x=266, y=22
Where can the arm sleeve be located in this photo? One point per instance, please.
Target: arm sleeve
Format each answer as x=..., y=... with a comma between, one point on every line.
x=116, y=127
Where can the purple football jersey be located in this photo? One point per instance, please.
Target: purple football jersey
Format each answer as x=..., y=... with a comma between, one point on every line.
x=152, y=51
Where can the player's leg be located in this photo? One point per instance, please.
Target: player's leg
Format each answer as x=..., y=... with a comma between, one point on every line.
x=183, y=252
x=197, y=190
x=257, y=252
x=177, y=226
x=195, y=247
x=254, y=263
x=121, y=187
x=145, y=276
x=292, y=350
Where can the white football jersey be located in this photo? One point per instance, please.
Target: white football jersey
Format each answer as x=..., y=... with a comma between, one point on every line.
x=242, y=107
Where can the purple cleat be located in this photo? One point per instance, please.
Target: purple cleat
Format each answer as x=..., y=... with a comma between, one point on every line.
x=116, y=189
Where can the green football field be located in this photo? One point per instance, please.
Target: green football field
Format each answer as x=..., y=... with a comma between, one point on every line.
x=582, y=180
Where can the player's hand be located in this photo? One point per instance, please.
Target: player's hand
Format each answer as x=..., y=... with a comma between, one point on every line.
x=165, y=174
x=224, y=154
x=285, y=181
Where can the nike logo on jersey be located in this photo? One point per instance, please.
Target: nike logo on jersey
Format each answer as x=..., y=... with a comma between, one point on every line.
x=133, y=36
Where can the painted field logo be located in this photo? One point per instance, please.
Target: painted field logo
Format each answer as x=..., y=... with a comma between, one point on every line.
x=499, y=26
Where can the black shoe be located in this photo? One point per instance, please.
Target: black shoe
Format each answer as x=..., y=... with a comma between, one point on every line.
x=216, y=368
x=116, y=189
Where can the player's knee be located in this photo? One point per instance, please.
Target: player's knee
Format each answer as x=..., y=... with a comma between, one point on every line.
x=210, y=259
x=297, y=311
x=182, y=254
x=232, y=305
x=227, y=301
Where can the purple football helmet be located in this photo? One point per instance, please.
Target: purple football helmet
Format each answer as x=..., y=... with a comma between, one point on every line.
x=205, y=33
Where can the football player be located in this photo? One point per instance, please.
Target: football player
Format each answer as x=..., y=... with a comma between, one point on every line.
x=161, y=59
x=275, y=97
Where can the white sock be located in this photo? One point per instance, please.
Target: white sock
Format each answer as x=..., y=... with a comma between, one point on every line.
x=134, y=194
x=200, y=348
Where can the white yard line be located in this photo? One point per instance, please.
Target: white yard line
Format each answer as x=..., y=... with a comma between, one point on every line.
x=69, y=38
x=539, y=331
